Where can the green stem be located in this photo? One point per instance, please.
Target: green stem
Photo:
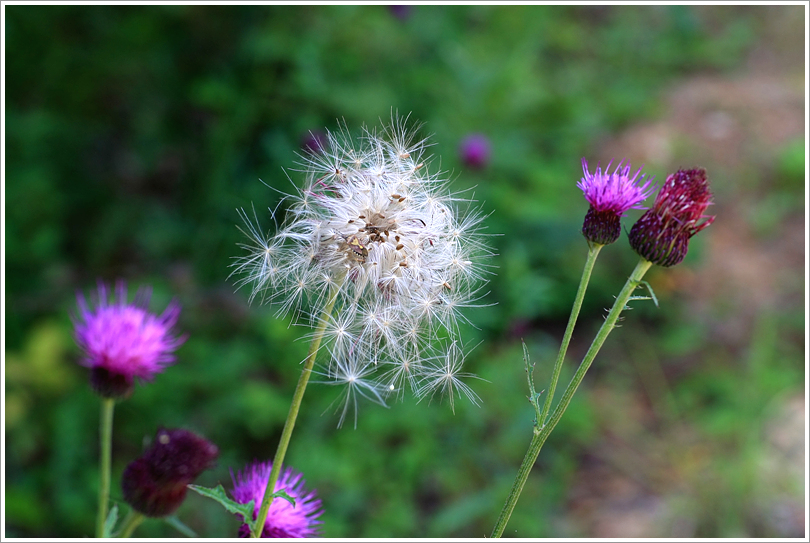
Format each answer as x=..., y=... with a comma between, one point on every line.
x=293, y=414
x=105, y=430
x=132, y=521
x=542, y=433
x=593, y=252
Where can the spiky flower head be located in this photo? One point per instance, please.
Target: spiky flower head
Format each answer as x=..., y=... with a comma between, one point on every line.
x=610, y=196
x=122, y=341
x=155, y=483
x=400, y=254
x=283, y=520
x=662, y=234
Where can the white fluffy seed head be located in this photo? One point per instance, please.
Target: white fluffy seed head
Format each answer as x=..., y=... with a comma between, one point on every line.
x=371, y=223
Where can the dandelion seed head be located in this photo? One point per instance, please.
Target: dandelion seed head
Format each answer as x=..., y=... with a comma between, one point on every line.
x=374, y=227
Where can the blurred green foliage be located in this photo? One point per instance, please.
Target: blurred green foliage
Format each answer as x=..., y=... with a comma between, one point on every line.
x=134, y=132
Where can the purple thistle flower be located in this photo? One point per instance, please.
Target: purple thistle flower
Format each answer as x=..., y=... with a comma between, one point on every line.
x=314, y=142
x=155, y=483
x=283, y=520
x=123, y=341
x=610, y=196
x=475, y=150
x=662, y=234
x=401, y=12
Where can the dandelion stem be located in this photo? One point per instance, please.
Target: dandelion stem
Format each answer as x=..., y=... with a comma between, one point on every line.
x=293, y=414
x=105, y=430
x=542, y=433
x=132, y=521
x=593, y=252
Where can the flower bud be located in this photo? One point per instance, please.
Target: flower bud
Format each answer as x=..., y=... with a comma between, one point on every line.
x=662, y=234
x=602, y=227
x=155, y=484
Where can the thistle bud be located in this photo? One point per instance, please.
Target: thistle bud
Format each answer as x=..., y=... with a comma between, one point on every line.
x=155, y=484
x=662, y=234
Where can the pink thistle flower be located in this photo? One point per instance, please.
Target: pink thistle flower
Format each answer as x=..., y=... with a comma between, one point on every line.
x=475, y=150
x=155, y=483
x=315, y=142
x=123, y=341
x=283, y=520
x=662, y=234
x=610, y=196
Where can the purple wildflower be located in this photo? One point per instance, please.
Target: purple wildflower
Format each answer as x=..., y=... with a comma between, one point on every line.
x=123, y=341
x=155, y=484
x=401, y=12
x=314, y=142
x=475, y=150
x=283, y=520
x=610, y=196
x=662, y=234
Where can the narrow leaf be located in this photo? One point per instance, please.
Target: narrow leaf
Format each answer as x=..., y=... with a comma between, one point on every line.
x=218, y=494
x=284, y=495
x=652, y=294
x=112, y=519
x=175, y=523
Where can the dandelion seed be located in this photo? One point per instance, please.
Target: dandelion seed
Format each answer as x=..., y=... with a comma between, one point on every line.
x=355, y=377
x=443, y=375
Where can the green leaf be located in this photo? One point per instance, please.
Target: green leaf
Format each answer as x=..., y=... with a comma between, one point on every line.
x=652, y=294
x=218, y=494
x=175, y=523
x=243, y=509
x=112, y=519
x=282, y=494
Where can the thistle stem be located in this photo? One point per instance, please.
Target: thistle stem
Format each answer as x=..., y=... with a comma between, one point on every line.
x=132, y=521
x=105, y=431
x=541, y=433
x=593, y=252
x=293, y=414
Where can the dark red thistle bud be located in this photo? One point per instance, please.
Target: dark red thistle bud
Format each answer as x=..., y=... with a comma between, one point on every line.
x=662, y=234
x=155, y=484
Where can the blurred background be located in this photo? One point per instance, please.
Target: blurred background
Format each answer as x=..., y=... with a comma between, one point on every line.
x=133, y=134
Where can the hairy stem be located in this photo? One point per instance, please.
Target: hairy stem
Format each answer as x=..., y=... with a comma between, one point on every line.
x=293, y=414
x=541, y=433
x=105, y=431
x=593, y=252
